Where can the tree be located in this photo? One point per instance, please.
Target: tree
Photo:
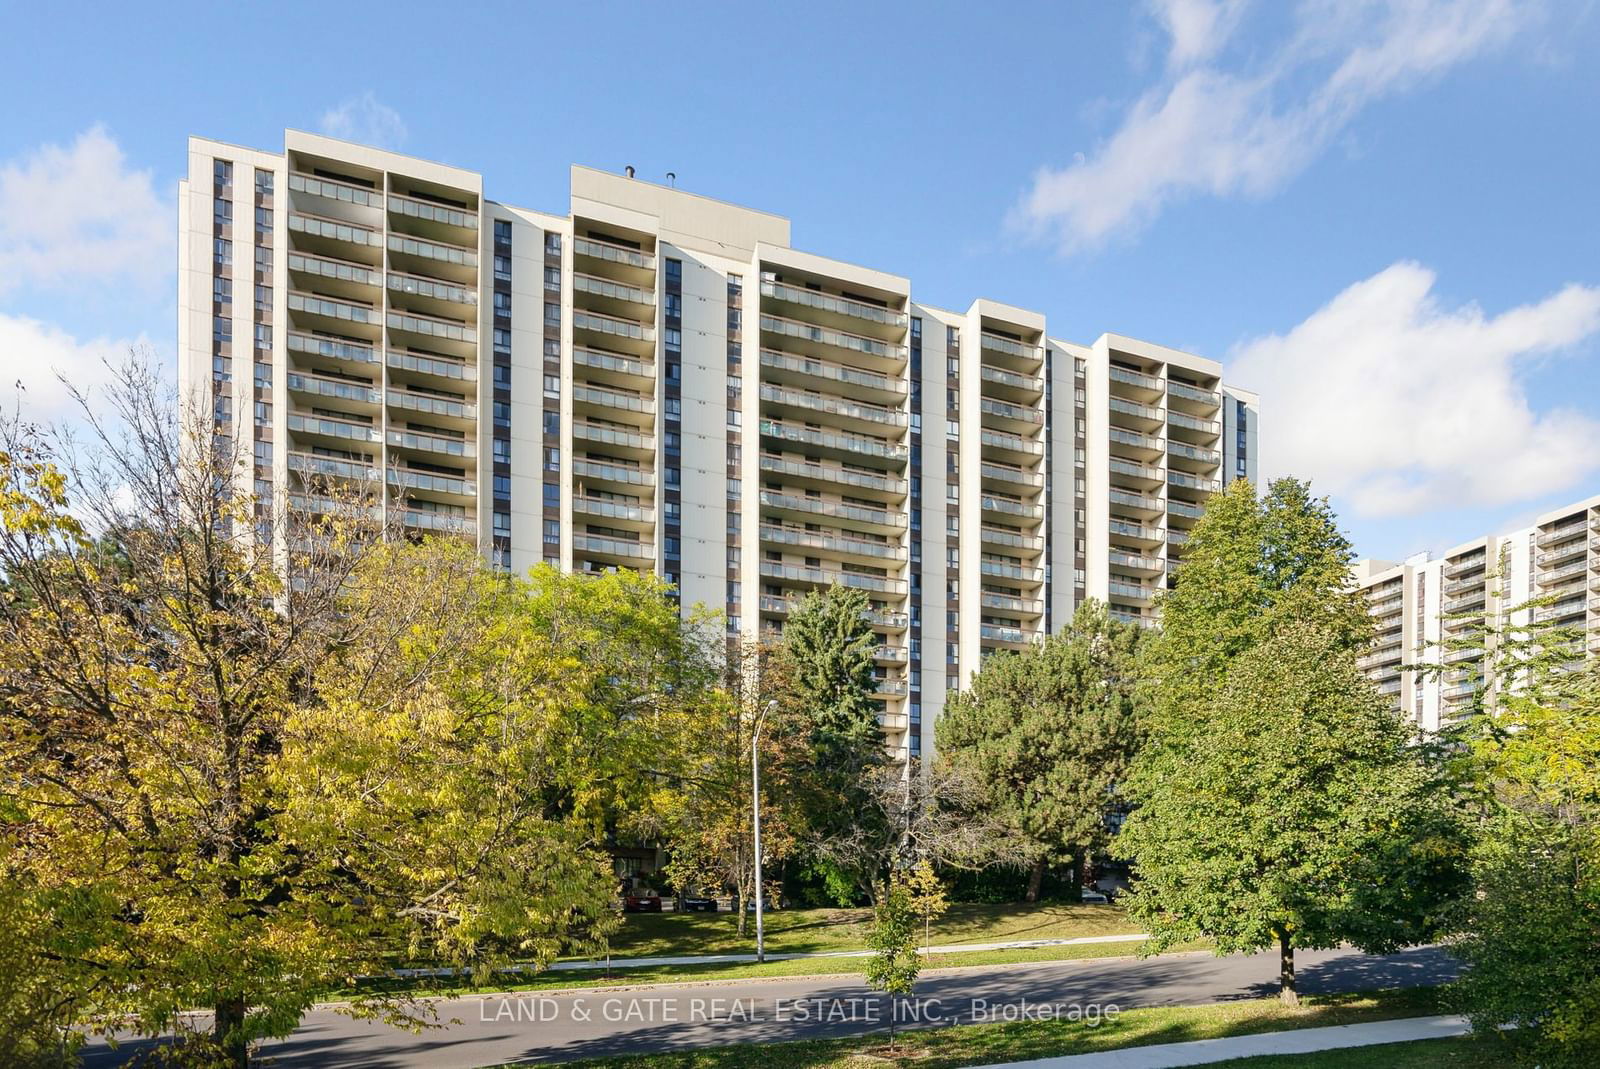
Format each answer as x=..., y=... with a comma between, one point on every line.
x=1530, y=930
x=235, y=782
x=1050, y=732
x=927, y=897
x=1301, y=817
x=895, y=963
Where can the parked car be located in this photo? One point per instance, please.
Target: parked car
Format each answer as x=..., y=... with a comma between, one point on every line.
x=1092, y=897
x=698, y=904
x=642, y=902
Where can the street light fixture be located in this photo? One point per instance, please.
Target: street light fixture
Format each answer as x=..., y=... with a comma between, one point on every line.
x=755, y=801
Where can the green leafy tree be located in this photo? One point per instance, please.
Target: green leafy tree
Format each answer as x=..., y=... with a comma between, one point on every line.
x=1302, y=817
x=927, y=897
x=1050, y=731
x=895, y=963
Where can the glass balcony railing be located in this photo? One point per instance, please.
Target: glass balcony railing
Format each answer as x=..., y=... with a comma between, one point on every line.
x=829, y=541
x=329, y=189
x=613, y=547
x=332, y=348
x=439, y=366
x=827, y=302
x=1010, y=474
x=335, y=270
x=990, y=599
x=1576, y=570
x=1135, y=409
x=829, y=577
x=837, y=406
x=1136, y=530
x=873, y=447
x=1192, y=482
x=1205, y=426
x=1193, y=393
x=613, y=510
x=615, y=254
x=1183, y=508
x=433, y=406
x=438, y=251
x=1139, y=379
x=443, y=214
x=832, y=372
x=446, y=522
x=433, y=327
x=990, y=407
x=621, y=365
x=332, y=467
x=1134, y=562
x=616, y=473
x=333, y=230
x=1022, y=573
x=861, y=480
x=1012, y=442
x=1000, y=536
x=613, y=326
x=1000, y=633
x=1010, y=346
x=328, y=308
x=617, y=436
x=300, y=423
x=433, y=443
x=431, y=482
x=838, y=339
x=1569, y=529
x=836, y=509
x=1130, y=591
x=1013, y=379
x=321, y=386
x=1137, y=471
x=614, y=291
x=1119, y=436
x=432, y=288
x=629, y=402
x=1136, y=501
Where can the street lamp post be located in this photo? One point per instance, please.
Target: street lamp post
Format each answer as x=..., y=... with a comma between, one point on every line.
x=755, y=801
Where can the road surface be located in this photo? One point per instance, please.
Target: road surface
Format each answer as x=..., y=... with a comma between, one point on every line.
x=546, y=1027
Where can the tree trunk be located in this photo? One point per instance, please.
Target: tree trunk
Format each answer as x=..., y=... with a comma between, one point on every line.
x=1077, y=878
x=1286, y=989
x=229, y=1031
x=1035, y=880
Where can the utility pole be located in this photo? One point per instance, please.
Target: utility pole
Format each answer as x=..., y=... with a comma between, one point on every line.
x=755, y=803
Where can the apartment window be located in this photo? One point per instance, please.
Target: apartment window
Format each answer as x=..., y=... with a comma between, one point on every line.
x=552, y=495
x=502, y=303
x=673, y=476
x=264, y=258
x=502, y=524
x=552, y=423
x=552, y=385
x=222, y=172
x=552, y=242
x=222, y=290
x=672, y=510
x=221, y=329
x=263, y=414
x=263, y=335
x=552, y=279
x=502, y=341
x=502, y=451
x=735, y=288
x=222, y=252
x=502, y=486
x=734, y=316
x=264, y=183
x=502, y=376
x=552, y=348
x=502, y=231
x=263, y=454
x=552, y=314
x=263, y=219
x=502, y=414
x=672, y=546
x=222, y=211
x=673, y=338
x=502, y=268
x=672, y=306
x=263, y=375
x=552, y=459
x=552, y=532
x=674, y=408
x=675, y=271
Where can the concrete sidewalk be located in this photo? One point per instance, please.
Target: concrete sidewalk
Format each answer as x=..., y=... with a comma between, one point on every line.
x=1296, y=1041
x=749, y=959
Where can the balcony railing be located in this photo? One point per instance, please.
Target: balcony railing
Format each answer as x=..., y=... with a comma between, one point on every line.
x=334, y=270
x=827, y=302
x=613, y=547
x=837, y=406
x=830, y=577
x=1137, y=471
x=332, y=348
x=1191, y=482
x=999, y=633
x=1566, y=530
x=1135, y=530
x=433, y=406
x=443, y=214
x=1136, y=501
x=300, y=423
x=1023, y=573
x=332, y=467
x=438, y=251
x=448, y=522
x=432, y=288
x=615, y=254
x=1010, y=346
x=616, y=473
x=439, y=366
x=1557, y=575
x=1013, y=379
x=838, y=339
x=1205, y=426
x=614, y=510
x=1133, y=562
x=322, y=386
x=824, y=369
x=1011, y=507
x=990, y=407
x=433, y=443
x=333, y=230
x=1010, y=474
x=433, y=327
x=873, y=447
x=1129, y=377
x=592, y=432
x=1561, y=610
x=604, y=361
x=614, y=399
x=328, y=308
x=431, y=482
x=1194, y=452
x=1119, y=436
x=1566, y=552
x=1194, y=393
x=829, y=541
x=1184, y=509
x=1014, y=443
x=999, y=536
x=1011, y=603
x=837, y=509
x=1131, y=591
x=1135, y=409
x=330, y=189
x=861, y=480
x=614, y=291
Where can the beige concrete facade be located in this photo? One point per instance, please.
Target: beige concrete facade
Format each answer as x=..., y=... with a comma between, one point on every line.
x=657, y=380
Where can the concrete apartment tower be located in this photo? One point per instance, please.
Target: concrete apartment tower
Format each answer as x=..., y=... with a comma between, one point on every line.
x=657, y=380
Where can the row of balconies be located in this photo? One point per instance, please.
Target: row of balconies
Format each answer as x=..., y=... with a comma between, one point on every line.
x=832, y=304
x=886, y=619
x=828, y=338
x=837, y=443
x=805, y=472
x=1567, y=529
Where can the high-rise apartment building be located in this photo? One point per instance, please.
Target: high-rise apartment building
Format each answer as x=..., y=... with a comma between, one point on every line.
x=657, y=380
x=1422, y=603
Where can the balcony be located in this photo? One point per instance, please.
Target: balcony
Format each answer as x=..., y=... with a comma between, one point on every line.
x=832, y=541
x=1007, y=476
x=1193, y=484
x=316, y=233
x=1010, y=538
x=1205, y=429
x=826, y=577
x=1177, y=538
x=1568, y=529
x=431, y=219
x=606, y=295
x=342, y=278
x=1007, y=506
x=1021, y=573
x=831, y=443
x=830, y=476
x=599, y=471
x=614, y=511
x=310, y=464
x=1134, y=563
x=338, y=389
x=430, y=366
x=625, y=371
x=890, y=688
x=431, y=295
x=615, y=439
x=1132, y=414
x=314, y=311
x=614, y=404
x=1135, y=532
x=1476, y=563
x=1470, y=602
x=1567, y=551
x=1133, y=444
x=1577, y=570
x=1193, y=457
x=1137, y=383
x=809, y=338
x=433, y=330
x=615, y=550
x=431, y=483
x=334, y=350
x=1011, y=636
x=1009, y=416
x=1141, y=504
x=638, y=337
x=850, y=310
x=448, y=523
x=1185, y=510
x=343, y=430
x=850, y=412
x=335, y=192
x=631, y=264
x=893, y=723
x=1130, y=591
x=1010, y=603
x=805, y=371
x=1013, y=384
x=449, y=408
x=1029, y=357
x=1386, y=605
x=1459, y=585
x=1560, y=612
x=1200, y=399
x=440, y=259
x=1151, y=477
x=1010, y=446
x=437, y=444
x=882, y=521
x=892, y=655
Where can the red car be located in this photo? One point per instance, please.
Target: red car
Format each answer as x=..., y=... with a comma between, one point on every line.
x=649, y=902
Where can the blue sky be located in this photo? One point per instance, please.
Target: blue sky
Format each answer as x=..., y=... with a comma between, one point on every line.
x=1381, y=213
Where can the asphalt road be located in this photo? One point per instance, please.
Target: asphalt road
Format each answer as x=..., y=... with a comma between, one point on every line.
x=534, y=1027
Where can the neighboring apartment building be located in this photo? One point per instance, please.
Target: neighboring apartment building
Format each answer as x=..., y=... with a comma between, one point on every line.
x=658, y=380
x=1415, y=604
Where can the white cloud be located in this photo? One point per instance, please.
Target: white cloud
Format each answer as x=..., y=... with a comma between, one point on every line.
x=36, y=356
x=76, y=212
x=1206, y=130
x=365, y=119
x=1399, y=405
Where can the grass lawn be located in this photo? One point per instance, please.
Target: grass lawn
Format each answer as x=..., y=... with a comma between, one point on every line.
x=965, y=1045
x=1460, y=1052
x=803, y=931
x=681, y=974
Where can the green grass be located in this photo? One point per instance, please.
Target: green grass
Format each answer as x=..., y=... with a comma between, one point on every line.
x=689, y=974
x=965, y=1045
x=1457, y=1052
x=808, y=931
